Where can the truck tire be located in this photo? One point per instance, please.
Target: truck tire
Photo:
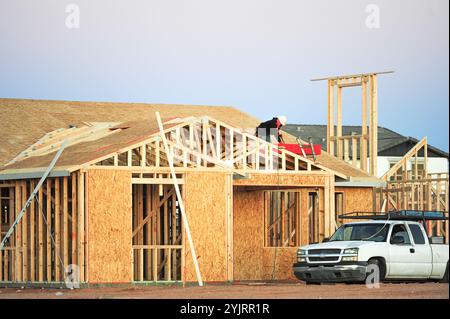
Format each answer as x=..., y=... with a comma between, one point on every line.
x=381, y=266
x=445, y=278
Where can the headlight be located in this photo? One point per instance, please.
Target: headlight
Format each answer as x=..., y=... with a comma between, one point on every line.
x=351, y=251
x=301, y=252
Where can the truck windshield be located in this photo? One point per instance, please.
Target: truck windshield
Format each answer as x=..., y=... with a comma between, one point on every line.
x=369, y=232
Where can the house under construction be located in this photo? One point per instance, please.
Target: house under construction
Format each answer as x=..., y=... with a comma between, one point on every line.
x=110, y=204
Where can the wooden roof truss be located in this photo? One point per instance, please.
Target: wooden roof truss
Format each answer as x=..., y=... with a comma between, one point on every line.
x=204, y=143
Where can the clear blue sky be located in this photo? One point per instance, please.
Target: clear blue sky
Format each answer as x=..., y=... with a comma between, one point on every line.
x=257, y=55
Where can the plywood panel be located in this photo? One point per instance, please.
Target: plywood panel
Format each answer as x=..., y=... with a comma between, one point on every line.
x=277, y=263
x=279, y=179
x=356, y=198
x=206, y=203
x=109, y=226
x=252, y=260
x=248, y=232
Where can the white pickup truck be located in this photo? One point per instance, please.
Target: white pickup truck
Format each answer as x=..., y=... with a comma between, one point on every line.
x=401, y=250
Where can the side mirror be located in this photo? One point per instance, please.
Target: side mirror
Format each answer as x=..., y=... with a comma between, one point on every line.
x=325, y=240
x=397, y=240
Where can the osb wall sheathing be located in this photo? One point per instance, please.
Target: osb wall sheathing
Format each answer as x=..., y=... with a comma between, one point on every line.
x=248, y=234
x=356, y=198
x=253, y=261
x=109, y=226
x=280, y=179
x=205, y=203
x=277, y=263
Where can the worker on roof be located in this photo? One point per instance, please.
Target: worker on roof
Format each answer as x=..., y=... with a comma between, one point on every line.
x=270, y=130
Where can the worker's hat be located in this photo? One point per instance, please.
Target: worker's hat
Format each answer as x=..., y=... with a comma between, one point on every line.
x=282, y=119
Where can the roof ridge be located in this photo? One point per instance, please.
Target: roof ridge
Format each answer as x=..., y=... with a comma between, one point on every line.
x=113, y=102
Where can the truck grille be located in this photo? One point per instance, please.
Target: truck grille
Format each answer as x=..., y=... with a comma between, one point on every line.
x=323, y=251
x=323, y=255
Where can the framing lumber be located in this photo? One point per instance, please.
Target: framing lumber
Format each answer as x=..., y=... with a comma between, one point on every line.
x=339, y=145
x=180, y=201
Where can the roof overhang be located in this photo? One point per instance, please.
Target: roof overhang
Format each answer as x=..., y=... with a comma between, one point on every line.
x=30, y=173
x=361, y=183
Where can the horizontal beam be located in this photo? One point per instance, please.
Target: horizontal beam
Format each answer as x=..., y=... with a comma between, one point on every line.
x=342, y=77
x=161, y=181
x=346, y=85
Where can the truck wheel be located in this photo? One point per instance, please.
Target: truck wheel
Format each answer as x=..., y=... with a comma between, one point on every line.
x=445, y=278
x=380, y=266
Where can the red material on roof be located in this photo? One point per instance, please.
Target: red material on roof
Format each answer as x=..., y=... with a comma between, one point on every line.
x=295, y=148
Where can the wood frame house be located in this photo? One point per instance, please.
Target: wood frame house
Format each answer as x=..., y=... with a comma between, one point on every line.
x=109, y=205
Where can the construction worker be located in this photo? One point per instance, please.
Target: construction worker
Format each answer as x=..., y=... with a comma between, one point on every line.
x=270, y=130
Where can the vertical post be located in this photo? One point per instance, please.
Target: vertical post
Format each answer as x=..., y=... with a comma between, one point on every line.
x=218, y=144
x=332, y=207
x=204, y=142
x=446, y=222
x=326, y=206
x=354, y=151
x=373, y=125
x=40, y=236
x=49, y=229
x=143, y=155
x=18, y=240
x=65, y=222
x=57, y=231
x=129, y=158
x=363, y=146
x=81, y=239
x=339, y=122
x=244, y=152
x=32, y=237
x=24, y=234
x=330, y=126
x=347, y=149
x=425, y=158
x=73, y=237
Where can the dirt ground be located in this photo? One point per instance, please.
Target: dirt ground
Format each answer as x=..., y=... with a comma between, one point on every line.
x=240, y=291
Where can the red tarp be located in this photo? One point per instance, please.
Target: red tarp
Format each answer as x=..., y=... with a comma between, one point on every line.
x=295, y=148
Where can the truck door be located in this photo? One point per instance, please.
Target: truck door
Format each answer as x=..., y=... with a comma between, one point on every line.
x=423, y=256
x=401, y=253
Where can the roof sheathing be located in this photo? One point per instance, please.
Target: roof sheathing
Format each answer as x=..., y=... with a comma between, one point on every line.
x=28, y=120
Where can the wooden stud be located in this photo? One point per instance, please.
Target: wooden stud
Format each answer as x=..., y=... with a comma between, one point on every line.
x=41, y=235
x=339, y=123
x=374, y=125
x=355, y=151
x=66, y=235
x=81, y=216
x=18, y=240
x=330, y=142
x=347, y=150
x=74, y=231
x=32, y=237
x=363, y=144
x=57, y=231
x=48, y=241
x=24, y=197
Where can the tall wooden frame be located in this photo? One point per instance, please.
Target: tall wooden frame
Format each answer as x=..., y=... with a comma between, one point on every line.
x=358, y=145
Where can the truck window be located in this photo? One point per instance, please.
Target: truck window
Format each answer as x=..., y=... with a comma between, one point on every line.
x=369, y=232
x=400, y=230
x=417, y=234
